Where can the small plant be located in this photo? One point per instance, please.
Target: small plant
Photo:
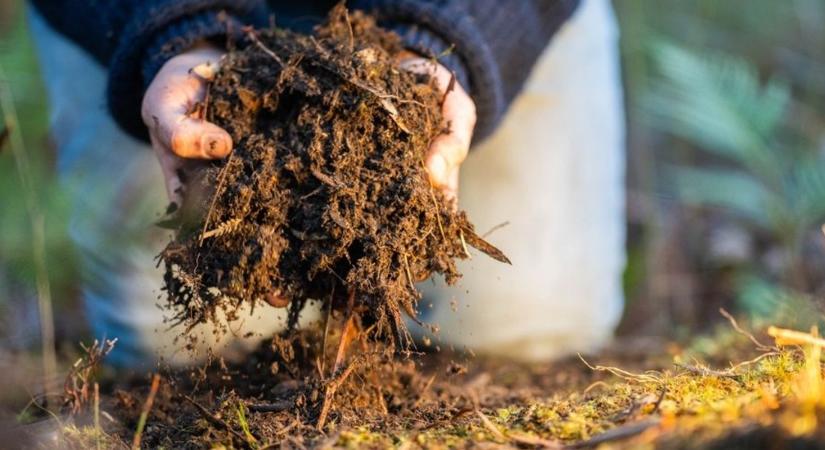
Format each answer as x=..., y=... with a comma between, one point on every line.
x=757, y=167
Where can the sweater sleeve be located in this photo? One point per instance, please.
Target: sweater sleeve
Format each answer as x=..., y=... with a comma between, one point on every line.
x=133, y=38
x=495, y=44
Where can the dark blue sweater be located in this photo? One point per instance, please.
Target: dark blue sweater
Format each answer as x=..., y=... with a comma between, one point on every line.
x=496, y=41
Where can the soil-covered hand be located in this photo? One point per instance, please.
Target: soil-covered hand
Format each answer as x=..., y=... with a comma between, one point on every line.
x=449, y=150
x=176, y=130
x=177, y=133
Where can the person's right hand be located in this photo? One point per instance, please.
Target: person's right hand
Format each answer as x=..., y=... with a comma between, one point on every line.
x=175, y=134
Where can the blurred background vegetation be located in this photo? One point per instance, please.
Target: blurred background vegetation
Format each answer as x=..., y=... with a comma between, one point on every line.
x=726, y=176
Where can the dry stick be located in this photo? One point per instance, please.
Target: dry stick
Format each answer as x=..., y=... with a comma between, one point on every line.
x=351, y=34
x=514, y=437
x=38, y=224
x=490, y=426
x=495, y=228
x=221, y=179
x=326, y=330
x=254, y=38
x=409, y=274
x=707, y=372
x=271, y=407
x=213, y=419
x=144, y=413
x=435, y=202
x=623, y=374
x=735, y=325
x=329, y=393
x=534, y=441
x=616, y=434
x=791, y=337
x=464, y=244
x=98, y=431
x=755, y=360
x=347, y=335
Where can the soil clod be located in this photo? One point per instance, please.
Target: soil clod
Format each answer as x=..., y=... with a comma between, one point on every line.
x=325, y=192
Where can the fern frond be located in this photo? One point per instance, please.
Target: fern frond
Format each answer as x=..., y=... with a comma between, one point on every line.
x=230, y=226
x=730, y=189
x=719, y=103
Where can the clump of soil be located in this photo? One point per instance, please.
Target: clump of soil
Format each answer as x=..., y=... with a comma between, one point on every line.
x=325, y=195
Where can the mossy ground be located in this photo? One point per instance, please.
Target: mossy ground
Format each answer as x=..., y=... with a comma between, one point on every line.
x=664, y=396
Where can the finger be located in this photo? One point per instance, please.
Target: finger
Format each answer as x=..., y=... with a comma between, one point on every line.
x=451, y=188
x=168, y=100
x=444, y=156
x=459, y=114
x=170, y=165
x=188, y=137
x=276, y=300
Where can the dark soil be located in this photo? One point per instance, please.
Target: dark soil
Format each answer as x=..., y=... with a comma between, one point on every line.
x=325, y=195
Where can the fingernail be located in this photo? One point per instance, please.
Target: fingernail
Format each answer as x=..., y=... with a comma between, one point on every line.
x=214, y=145
x=437, y=166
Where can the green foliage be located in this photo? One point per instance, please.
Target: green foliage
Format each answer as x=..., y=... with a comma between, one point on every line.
x=754, y=167
x=19, y=65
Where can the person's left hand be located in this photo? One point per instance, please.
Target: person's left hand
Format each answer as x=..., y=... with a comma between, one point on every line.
x=448, y=150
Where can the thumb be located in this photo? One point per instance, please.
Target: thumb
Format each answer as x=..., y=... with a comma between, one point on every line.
x=178, y=86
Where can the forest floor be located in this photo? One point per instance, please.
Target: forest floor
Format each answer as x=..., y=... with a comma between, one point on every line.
x=725, y=390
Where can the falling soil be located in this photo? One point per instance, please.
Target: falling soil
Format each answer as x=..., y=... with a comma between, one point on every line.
x=325, y=195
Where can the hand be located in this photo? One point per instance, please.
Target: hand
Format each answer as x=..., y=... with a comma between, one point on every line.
x=448, y=150
x=177, y=135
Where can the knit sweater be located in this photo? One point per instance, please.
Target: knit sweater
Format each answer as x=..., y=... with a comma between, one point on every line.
x=494, y=43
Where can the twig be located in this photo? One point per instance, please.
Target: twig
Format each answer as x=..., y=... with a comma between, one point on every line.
x=450, y=87
x=347, y=335
x=784, y=337
x=351, y=34
x=735, y=325
x=535, y=441
x=254, y=38
x=623, y=374
x=221, y=179
x=755, y=360
x=706, y=371
x=489, y=425
x=515, y=437
x=329, y=394
x=326, y=330
x=437, y=208
x=409, y=274
x=495, y=228
x=279, y=406
x=464, y=244
x=616, y=434
x=144, y=413
x=97, y=416
x=44, y=296
x=423, y=391
x=213, y=419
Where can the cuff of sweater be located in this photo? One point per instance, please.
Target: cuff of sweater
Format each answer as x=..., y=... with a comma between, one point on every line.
x=429, y=45
x=182, y=36
x=156, y=34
